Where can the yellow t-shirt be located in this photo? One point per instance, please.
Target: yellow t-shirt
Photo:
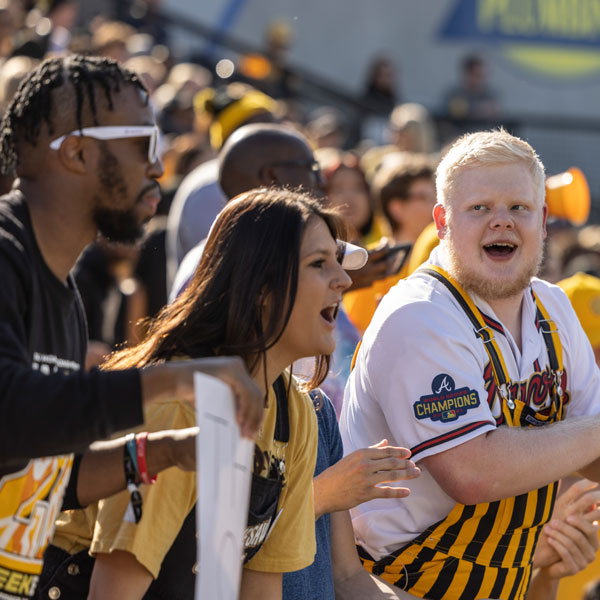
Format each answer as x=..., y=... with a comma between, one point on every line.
x=428, y=239
x=291, y=545
x=102, y=527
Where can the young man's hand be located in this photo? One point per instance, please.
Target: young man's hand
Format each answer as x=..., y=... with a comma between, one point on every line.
x=176, y=379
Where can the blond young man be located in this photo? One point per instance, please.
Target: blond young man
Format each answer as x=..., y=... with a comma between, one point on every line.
x=485, y=373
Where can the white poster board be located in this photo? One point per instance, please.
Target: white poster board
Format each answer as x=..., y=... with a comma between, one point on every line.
x=224, y=462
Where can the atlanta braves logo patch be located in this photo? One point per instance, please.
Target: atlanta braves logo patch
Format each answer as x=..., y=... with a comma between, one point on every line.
x=446, y=403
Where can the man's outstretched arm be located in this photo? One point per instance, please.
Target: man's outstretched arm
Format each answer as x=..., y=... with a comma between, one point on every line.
x=101, y=471
x=47, y=415
x=509, y=461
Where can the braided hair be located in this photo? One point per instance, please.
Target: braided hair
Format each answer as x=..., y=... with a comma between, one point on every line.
x=32, y=104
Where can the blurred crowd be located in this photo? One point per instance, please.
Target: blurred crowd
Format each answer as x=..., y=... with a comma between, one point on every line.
x=377, y=161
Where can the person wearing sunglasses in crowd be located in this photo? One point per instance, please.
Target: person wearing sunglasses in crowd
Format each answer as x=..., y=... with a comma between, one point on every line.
x=68, y=188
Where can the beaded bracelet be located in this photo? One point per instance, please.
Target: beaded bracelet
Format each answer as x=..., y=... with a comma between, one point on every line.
x=131, y=475
x=141, y=440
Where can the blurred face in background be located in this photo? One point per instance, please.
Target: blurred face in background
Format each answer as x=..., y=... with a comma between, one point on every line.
x=414, y=212
x=347, y=192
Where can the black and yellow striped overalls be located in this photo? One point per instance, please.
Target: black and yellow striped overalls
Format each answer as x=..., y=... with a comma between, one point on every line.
x=484, y=550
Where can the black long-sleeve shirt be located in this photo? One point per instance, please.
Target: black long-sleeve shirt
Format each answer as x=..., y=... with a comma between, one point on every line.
x=48, y=404
x=49, y=407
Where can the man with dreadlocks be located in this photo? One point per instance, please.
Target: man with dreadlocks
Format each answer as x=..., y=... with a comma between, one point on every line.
x=80, y=138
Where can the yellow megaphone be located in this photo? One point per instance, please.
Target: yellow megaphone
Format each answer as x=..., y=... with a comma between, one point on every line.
x=568, y=196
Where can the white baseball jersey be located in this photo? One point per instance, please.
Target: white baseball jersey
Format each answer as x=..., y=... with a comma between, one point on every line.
x=422, y=380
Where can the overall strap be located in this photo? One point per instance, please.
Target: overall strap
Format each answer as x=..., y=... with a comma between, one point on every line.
x=354, y=356
x=482, y=330
x=550, y=333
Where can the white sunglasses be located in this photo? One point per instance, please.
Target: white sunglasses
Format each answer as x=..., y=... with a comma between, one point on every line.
x=116, y=132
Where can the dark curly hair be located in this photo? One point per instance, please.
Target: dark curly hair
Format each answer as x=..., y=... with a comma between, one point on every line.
x=32, y=105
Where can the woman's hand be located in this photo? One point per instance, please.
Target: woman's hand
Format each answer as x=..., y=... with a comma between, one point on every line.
x=575, y=542
x=357, y=477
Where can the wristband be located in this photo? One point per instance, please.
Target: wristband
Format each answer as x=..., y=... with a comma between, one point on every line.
x=141, y=440
x=130, y=444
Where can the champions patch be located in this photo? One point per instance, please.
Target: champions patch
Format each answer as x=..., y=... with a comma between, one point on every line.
x=446, y=403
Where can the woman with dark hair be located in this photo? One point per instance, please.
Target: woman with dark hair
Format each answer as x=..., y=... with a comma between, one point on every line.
x=268, y=289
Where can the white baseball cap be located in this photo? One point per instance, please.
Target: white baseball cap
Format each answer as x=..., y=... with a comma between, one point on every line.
x=355, y=257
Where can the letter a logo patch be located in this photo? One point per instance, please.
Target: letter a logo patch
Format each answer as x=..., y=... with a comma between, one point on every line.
x=446, y=385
